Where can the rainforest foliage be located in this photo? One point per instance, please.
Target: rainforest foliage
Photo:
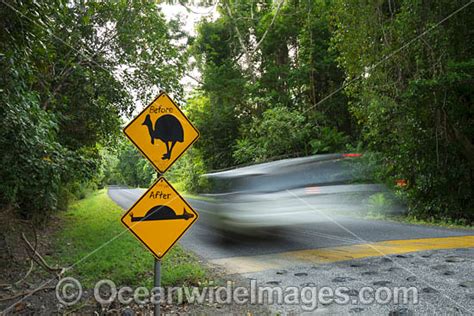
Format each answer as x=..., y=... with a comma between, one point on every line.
x=69, y=71
x=305, y=77
x=277, y=79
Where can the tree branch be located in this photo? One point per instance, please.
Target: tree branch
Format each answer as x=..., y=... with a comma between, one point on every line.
x=269, y=27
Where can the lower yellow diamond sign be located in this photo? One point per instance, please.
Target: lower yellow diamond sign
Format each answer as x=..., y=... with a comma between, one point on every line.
x=160, y=217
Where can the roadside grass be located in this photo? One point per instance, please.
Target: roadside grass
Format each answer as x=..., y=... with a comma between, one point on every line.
x=408, y=219
x=379, y=203
x=92, y=238
x=411, y=219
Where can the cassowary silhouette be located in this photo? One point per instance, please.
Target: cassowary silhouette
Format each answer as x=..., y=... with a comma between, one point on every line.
x=168, y=129
x=160, y=213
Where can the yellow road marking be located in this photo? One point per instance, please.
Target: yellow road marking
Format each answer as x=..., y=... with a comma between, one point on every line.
x=248, y=264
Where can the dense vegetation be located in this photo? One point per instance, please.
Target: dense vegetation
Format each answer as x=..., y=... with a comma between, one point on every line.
x=264, y=69
x=270, y=70
x=278, y=79
x=416, y=107
x=68, y=73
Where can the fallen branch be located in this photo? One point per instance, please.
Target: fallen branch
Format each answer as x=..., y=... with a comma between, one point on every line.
x=39, y=259
x=26, y=274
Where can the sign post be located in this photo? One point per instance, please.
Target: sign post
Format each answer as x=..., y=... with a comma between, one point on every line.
x=157, y=284
x=161, y=216
x=157, y=280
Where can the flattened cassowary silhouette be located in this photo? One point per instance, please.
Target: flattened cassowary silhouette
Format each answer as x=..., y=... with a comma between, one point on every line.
x=168, y=129
x=160, y=213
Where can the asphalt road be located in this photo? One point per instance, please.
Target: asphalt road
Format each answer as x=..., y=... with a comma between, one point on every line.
x=345, y=251
x=208, y=243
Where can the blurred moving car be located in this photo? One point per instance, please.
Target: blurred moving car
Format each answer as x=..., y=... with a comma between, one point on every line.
x=289, y=192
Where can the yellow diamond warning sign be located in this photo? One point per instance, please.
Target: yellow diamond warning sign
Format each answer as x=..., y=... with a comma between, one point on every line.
x=160, y=217
x=162, y=132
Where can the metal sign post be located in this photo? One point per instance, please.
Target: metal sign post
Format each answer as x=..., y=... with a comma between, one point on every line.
x=157, y=285
x=157, y=281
